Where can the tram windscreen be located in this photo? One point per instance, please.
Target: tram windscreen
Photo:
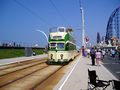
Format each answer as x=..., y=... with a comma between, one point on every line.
x=53, y=45
x=60, y=45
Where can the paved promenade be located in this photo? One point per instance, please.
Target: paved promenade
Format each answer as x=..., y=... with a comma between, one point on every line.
x=77, y=77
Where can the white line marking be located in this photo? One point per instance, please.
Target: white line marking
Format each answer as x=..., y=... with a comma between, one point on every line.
x=69, y=74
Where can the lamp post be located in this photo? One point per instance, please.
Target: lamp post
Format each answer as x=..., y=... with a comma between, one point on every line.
x=43, y=34
x=83, y=36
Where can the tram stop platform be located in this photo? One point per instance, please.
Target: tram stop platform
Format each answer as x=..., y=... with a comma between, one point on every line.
x=77, y=77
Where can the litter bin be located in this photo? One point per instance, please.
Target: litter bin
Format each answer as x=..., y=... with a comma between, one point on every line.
x=28, y=51
x=85, y=53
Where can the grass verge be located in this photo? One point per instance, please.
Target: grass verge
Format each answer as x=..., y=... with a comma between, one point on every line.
x=12, y=53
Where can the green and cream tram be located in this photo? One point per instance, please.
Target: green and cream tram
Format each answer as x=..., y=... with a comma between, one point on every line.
x=62, y=46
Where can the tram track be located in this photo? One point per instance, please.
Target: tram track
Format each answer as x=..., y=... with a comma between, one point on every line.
x=15, y=75
x=33, y=77
x=20, y=67
x=46, y=78
x=21, y=77
x=3, y=67
x=51, y=81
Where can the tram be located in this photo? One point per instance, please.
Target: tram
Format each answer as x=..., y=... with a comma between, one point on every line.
x=61, y=46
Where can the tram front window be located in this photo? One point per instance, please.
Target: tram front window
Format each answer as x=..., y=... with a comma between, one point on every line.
x=60, y=46
x=53, y=45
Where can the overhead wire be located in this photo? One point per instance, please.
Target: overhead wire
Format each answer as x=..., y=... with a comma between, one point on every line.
x=58, y=11
x=33, y=12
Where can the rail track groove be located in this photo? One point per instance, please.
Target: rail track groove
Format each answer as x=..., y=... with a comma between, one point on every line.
x=3, y=67
x=21, y=77
x=45, y=78
x=15, y=69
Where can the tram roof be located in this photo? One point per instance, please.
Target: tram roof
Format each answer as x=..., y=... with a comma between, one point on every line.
x=65, y=28
x=61, y=29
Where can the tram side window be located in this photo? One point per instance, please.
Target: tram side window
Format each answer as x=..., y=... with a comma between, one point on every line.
x=60, y=46
x=53, y=45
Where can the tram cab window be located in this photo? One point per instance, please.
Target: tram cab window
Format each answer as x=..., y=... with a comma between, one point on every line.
x=60, y=46
x=53, y=45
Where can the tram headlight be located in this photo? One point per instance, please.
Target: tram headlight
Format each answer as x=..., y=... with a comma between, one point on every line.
x=51, y=56
x=61, y=56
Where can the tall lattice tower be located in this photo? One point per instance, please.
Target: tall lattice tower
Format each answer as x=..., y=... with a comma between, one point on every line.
x=113, y=26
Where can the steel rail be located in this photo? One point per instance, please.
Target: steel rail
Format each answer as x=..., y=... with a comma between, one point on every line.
x=21, y=64
x=22, y=77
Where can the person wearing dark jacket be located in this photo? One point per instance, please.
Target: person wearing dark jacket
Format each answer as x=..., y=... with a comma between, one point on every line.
x=118, y=53
x=92, y=54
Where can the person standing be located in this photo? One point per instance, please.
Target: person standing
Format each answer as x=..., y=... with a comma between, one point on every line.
x=118, y=53
x=103, y=54
x=92, y=54
x=98, y=57
x=113, y=53
x=88, y=53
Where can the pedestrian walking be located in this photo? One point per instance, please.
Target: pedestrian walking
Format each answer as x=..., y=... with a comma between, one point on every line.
x=103, y=54
x=106, y=51
x=113, y=53
x=119, y=54
x=88, y=53
x=98, y=57
x=92, y=54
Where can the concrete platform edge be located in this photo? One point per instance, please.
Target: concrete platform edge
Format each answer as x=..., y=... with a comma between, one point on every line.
x=59, y=85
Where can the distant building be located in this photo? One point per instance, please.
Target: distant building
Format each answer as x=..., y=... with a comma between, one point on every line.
x=98, y=38
x=113, y=27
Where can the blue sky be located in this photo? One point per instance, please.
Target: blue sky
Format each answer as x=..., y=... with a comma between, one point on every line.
x=19, y=19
